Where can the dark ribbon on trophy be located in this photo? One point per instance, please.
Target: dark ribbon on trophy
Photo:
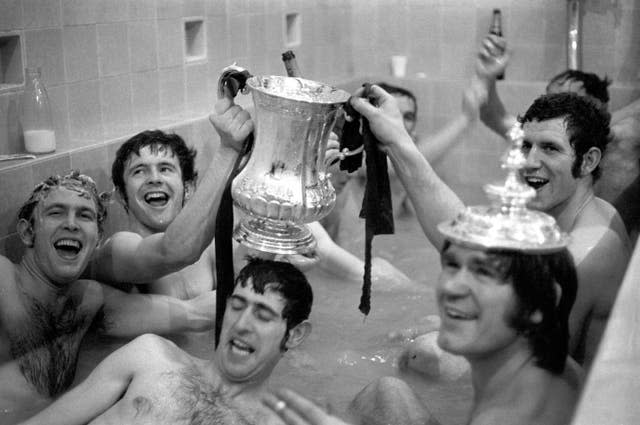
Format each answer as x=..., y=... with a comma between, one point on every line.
x=377, y=209
x=230, y=83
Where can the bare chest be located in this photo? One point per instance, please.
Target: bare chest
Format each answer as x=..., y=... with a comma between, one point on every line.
x=181, y=398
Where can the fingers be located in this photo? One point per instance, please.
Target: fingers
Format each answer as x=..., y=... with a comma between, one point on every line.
x=302, y=409
x=223, y=104
x=285, y=413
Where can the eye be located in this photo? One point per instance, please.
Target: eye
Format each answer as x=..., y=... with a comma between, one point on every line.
x=550, y=148
x=449, y=263
x=88, y=215
x=137, y=171
x=236, y=304
x=264, y=315
x=54, y=213
x=526, y=146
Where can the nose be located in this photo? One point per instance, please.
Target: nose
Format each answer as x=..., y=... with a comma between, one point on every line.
x=455, y=284
x=154, y=176
x=532, y=158
x=243, y=323
x=70, y=222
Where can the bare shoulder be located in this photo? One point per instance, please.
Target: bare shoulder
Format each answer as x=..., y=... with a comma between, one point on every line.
x=7, y=268
x=121, y=238
x=598, y=231
x=152, y=346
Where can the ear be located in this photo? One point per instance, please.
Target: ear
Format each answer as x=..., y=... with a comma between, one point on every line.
x=189, y=189
x=590, y=161
x=25, y=231
x=298, y=334
x=536, y=317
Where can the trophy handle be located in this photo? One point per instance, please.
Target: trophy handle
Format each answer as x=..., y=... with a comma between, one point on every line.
x=232, y=80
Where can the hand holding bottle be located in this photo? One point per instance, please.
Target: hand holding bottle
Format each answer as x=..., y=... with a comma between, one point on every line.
x=493, y=58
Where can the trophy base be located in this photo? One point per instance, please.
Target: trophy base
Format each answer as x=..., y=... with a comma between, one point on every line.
x=275, y=237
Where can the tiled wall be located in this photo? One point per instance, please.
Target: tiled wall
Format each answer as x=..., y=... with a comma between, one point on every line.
x=115, y=67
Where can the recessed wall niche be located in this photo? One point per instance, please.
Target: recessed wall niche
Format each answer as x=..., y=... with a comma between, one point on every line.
x=195, y=39
x=11, y=75
x=292, y=29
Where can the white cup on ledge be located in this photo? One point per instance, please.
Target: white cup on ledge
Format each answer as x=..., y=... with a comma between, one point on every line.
x=399, y=66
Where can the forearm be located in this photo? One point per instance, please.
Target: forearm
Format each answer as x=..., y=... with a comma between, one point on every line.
x=493, y=113
x=138, y=314
x=192, y=230
x=434, y=146
x=433, y=201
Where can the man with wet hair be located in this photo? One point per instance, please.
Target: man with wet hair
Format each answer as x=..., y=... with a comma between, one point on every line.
x=620, y=180
x=46, y=309
x=151, y=380
x=167, y=247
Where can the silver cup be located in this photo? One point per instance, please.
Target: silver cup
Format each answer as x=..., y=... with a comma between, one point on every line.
x=284, y=184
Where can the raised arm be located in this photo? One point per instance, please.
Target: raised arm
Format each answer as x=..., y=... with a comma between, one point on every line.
x=432, y=199
x=129, y=315
x=99, y=391
x=492, y=61
x=437, y=144
x=128, y=257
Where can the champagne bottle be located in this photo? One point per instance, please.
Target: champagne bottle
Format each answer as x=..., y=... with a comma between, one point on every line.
x=291, y=65
x=496, y=29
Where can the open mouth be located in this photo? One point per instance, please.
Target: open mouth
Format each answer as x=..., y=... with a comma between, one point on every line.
x=456, y=314
x=67, y=248
x=241, y=348
x=536, y=182
x=156, y=199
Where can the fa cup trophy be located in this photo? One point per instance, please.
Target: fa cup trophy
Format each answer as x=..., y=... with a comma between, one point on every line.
x=284, y=183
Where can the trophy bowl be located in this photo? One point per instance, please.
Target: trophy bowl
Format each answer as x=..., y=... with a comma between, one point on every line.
x=284, y=183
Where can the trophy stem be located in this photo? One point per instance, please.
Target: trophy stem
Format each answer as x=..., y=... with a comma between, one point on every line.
x=276, y=237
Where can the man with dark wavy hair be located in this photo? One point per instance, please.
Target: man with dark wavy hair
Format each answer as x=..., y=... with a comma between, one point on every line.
x=619, y=183
x=151, y=380
x=167, y=247
x=46, y=308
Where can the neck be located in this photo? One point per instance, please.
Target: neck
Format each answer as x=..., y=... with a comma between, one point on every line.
x=568, y=212
x=135, y=226
x=490, y=374
x=35, y=283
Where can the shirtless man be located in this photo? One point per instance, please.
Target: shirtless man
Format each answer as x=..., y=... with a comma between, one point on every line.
x=168, y=245
x=506, y=311
x=620, y=176
x=45, y=309
x=151, y=381
x=564, y=138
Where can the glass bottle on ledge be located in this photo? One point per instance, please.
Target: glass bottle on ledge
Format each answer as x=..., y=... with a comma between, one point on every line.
x=37, y=123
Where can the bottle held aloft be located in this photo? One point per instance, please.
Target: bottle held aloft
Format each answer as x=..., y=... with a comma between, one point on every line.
x=496, y=29
x=37, y=123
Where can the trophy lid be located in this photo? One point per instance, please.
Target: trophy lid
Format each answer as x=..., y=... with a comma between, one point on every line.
x=507, y=223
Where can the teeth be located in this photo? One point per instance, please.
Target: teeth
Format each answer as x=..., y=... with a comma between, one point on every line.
x=67, y=243
x=240, y=346
x=155, y=196
x=456, y=314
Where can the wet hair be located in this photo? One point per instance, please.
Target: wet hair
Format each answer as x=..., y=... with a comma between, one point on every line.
x=400, y=91
x=587, y=125
x=81, y=183
x=285, y=279
x=534, y=277
x=157, y=141
x=593, y=85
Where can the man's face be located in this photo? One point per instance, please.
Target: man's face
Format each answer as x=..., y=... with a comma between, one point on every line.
x=65, y=233
x=475, y=304
x=550, y=157
x=253, y=330
x=408, y=110
x=154, y=187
